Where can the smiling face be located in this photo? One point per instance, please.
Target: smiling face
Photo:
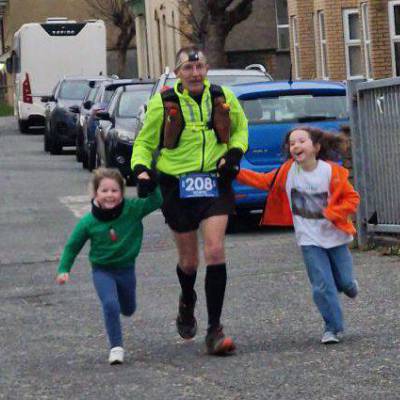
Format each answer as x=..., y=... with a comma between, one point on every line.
x=302, y=149
x=109, y=194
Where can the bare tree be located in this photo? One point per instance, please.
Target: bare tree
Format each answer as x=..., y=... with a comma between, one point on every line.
x=210, y=22
x=119, y=13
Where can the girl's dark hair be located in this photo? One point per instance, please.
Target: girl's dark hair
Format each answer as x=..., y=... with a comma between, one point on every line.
x=331, y=143
x=101, y=173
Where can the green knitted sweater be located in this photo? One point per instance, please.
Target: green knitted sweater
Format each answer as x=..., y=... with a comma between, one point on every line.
x=115, y=243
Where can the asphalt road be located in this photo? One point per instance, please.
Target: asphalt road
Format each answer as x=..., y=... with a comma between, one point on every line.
x=52, y=339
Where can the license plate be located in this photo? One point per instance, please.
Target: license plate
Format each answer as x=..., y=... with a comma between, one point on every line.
x=198, y=185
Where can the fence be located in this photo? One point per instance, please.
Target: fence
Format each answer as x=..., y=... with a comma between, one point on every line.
x=375, y=125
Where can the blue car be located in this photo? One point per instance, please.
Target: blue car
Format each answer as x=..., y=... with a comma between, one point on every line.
x=272, y=109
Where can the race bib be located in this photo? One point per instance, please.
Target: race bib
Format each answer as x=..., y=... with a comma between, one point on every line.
x=198, y=185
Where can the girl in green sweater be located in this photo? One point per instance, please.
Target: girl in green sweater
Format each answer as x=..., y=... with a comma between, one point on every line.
x=115, y=230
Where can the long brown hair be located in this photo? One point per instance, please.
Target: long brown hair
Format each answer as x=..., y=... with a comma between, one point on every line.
x=331, y=144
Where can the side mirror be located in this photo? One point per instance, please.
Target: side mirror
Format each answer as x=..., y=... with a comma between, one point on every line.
x=87, y=105
x=48, y=99
x=9, y=65
x=104, y=115
x=74, y=109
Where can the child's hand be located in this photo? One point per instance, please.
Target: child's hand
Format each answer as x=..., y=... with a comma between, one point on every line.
x=62, y=278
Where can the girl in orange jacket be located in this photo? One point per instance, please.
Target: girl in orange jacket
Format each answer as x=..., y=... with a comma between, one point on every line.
x=314, y=195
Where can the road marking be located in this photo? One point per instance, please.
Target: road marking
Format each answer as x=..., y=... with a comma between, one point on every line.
x=80, y=205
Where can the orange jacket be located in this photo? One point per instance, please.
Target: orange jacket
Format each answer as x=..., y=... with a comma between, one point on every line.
x=342, y=203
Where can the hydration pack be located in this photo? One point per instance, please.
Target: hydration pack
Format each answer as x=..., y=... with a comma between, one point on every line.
x=174, y=122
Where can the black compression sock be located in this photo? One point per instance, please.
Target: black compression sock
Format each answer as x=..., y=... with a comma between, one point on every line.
x=187, y=284
x=215, y=284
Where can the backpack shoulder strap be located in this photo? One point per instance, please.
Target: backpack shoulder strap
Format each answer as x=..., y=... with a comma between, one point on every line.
x=169, y=95
x=216, y=91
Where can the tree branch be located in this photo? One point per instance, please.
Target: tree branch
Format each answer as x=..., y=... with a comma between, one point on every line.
x=238, y=14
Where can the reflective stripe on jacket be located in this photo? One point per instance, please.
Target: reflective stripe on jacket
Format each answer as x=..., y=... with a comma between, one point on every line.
x=198, y=149
x=342, y=202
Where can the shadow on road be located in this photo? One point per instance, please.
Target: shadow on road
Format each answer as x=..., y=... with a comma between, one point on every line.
x=250, y=223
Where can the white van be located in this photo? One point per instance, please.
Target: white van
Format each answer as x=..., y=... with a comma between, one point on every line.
x=43, y=53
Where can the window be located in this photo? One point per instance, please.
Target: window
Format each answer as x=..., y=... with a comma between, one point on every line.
x=367, y=40
x=352, y=41
x=282, y=24
x=73, y=90
x=297, y=108
x=394, y=22
x=296, y=49
x=323, y=63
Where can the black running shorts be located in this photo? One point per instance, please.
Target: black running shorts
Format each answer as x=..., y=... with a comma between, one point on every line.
x=185, y=215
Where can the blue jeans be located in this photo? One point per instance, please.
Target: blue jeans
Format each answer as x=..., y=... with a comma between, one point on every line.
x=116, y=289
x=330, y=271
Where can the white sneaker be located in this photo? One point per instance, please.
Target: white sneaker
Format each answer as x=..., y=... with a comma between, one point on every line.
x=116, y=356
x=329, y=338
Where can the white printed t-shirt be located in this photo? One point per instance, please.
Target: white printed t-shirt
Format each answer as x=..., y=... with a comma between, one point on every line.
x=308, y=194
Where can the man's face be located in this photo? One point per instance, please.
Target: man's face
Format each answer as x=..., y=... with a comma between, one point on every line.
x=192, y=75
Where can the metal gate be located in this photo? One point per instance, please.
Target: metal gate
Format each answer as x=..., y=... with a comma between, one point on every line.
x=375, y=129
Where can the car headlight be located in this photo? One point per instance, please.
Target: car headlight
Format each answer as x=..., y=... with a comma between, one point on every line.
x=126, y=136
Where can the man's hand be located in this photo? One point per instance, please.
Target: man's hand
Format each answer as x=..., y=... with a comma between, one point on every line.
x=229, y=165
x=145, y=180
x=62, y=278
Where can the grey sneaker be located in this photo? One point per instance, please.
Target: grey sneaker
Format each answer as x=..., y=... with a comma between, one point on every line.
x=353, y=291
x=329, y=338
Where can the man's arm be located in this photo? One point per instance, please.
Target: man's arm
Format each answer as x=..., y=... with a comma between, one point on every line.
x=148, y=138
x=239, y=137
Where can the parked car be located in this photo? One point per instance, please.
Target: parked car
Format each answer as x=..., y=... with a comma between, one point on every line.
x=116, y=131
x=84, y=112
x=272, y=109
x=100, y=95
x=60, y=121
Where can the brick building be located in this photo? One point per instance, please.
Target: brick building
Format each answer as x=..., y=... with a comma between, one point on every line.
x=344, y=39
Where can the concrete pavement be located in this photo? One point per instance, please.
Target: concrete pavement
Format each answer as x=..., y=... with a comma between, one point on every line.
x=52, y=339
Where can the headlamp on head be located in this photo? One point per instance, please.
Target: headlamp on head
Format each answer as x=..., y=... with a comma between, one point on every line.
x=191, y=56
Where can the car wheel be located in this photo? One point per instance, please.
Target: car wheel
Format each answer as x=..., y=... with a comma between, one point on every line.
x=91, y=160
x=23, y=126
x=55, y=146
x=84, y=159
x=78, y=153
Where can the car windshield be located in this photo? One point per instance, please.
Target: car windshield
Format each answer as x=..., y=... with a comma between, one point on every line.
x=227, y=80
x=299, y=108
x=73, y=90
x=130, y=102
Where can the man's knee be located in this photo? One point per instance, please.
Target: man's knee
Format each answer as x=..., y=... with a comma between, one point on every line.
x=214, y=253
